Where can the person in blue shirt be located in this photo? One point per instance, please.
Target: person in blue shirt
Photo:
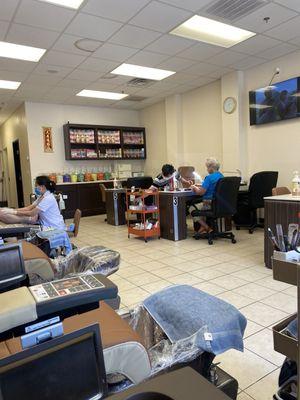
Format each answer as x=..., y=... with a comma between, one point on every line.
x=207, y=191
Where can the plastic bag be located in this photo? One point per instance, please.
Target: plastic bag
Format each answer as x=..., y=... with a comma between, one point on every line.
x=162, y=353
x=89, y=259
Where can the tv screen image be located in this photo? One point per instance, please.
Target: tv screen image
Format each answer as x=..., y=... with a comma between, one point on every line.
x=277, y=102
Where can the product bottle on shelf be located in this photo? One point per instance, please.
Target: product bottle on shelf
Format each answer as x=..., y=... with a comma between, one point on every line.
x=296, y=184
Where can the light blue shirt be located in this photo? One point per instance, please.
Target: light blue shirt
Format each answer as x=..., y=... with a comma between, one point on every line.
x=209, y=184
x=49, y=213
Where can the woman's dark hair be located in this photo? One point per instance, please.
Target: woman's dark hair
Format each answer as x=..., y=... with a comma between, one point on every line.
x=43, y=180
x=167, y=170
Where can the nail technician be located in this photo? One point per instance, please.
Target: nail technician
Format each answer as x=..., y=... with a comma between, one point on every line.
x=44, y=210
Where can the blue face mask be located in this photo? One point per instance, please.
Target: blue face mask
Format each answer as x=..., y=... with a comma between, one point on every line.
x=37, y=191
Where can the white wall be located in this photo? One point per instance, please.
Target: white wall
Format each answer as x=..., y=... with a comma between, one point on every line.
x=55, y=116
x=202, y=125
x=15, y=129
x=273, y=146
x=153, y=118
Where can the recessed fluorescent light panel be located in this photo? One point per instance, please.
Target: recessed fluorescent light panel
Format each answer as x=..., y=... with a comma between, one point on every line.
x=101, y=95
x=20, y=52
x=65, y=3
x=211, y=31
x=12, y=85
x=142, y=72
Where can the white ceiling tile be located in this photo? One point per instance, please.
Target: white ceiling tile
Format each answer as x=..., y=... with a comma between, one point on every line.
x=293, y=4
x=43, y=15
x=286, y=31
x=256, y=44
x=201, y=68
x=89, y=26
x=3, y=29
x=200, y=51
x=9, y=64
x=74, y=83
x=228, y=57
x=248, y=62
x=170, y=44
x=220, y=72
x=63, y=59
x=133, y=36
x=147, y=58
x=160, y=17
x=67, y=43
x=176, y=64
x=295, y=41
x=27, y=89
x=255, y=21
x=85, y=101
x=63, y=91
x=192, y=5
x=37, y=79
x=106, y=86
x=8, y=8
x=126, y=89
x=120, y=10
x=99, y=65
x=5, y=95
x=278, y=51
x=114, y=52
x=14, y=75
x=84, y=75
x=181, y=78
x=43, y=69
x=30, y=36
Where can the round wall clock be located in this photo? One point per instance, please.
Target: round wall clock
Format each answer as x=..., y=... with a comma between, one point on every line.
x=229, y=105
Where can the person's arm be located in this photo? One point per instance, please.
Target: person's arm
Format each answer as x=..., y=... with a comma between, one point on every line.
x=186, y=182
x=28, y=208
x=200, y=190
x=27, y=213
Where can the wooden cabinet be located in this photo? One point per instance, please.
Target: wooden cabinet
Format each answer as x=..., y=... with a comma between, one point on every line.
x=104, y=142
x=85, y=196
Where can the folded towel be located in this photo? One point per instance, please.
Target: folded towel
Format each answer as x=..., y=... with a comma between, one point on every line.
x=183, y=311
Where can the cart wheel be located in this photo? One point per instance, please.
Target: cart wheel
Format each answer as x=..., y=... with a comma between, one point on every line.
x=159, y=237
x=146, y=241
x=128, y=236
x=250, y=231
x=210, y=241
x=237, y=228
x=233, y=241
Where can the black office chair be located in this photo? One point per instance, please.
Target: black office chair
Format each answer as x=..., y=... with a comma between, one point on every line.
x=260, y=186
x=141, y=182
x=223, y=206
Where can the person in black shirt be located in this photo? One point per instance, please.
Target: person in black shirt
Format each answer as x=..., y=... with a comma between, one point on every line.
x=168, y=173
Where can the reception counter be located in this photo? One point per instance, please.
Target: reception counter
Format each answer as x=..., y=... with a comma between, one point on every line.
x=284, y=210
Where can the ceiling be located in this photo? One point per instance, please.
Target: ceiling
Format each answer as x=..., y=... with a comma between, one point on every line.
x=132, y=31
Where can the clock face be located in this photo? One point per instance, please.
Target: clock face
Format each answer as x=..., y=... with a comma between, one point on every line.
x=229, y=105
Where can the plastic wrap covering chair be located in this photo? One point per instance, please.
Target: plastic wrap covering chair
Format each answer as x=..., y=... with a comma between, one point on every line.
x=224, y=205
x=187, y=173
x=281, y=190
x=260, y=186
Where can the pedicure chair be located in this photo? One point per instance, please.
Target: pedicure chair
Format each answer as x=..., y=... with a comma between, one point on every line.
x=51, y=347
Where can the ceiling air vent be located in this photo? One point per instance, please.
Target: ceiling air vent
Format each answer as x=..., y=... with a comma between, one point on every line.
x=140, y=82
x=233, y=9
x=135, y=98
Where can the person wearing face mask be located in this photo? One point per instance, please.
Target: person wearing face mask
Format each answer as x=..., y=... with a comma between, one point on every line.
x=44, y=210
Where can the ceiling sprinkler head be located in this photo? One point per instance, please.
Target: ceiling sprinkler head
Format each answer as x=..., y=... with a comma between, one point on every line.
x=267, y=20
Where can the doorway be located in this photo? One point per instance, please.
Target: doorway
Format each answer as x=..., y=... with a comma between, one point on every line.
x=6, y=179
x=18, y=173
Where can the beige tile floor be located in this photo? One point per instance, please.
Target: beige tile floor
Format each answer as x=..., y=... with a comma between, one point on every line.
x=234, y=273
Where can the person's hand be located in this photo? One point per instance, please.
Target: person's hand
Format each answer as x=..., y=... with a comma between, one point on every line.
x=190, y=182
x=194, y=188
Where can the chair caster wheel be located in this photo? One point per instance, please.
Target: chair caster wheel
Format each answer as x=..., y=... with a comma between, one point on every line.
x=233, y=241
x=238, y=228
x=250, y=231
x=210, y=242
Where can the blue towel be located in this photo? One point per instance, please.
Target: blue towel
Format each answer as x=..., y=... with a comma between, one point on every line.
x=292, y=328
x=183, y=311
x=57, y=238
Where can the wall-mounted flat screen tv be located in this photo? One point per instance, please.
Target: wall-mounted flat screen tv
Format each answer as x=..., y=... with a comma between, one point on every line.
x=277, y=102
